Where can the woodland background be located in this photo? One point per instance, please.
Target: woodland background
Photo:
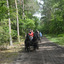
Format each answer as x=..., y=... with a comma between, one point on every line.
x=16, y=18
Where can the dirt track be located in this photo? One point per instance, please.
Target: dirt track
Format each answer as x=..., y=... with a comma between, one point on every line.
x=48, y=53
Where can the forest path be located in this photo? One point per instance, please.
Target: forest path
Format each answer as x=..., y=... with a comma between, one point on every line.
x=48, y=53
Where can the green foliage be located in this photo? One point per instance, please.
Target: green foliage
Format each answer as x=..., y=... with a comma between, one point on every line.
x=26, y=24
x=4, y=32
x=31, y=5
x=56, y=39
x=14, y=34
x=29, y=22
x=61, y=35
x=53, y=16
x=3, y=10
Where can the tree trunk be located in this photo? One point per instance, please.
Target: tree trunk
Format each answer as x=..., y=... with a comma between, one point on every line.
x=9, y=24
x=23, y=9
x=23, y=16
x=17, y=21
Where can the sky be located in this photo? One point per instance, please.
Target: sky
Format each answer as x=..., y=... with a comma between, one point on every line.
x=38, y=14
x=40, y=1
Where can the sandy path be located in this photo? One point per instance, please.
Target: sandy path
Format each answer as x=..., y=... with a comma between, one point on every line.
x=48, y=53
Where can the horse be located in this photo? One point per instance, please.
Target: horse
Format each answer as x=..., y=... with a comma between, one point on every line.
x=35, y=42
x=38, y=36
x=29, y=42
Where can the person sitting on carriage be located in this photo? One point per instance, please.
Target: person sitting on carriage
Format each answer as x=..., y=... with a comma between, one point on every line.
x=40, y=35
x=37, y=32
x=31, y=34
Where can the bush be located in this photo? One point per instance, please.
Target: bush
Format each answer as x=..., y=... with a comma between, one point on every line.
x=61, y=35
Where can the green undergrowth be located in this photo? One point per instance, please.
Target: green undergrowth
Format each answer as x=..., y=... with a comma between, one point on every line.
x=58, y=39
x=8, y=55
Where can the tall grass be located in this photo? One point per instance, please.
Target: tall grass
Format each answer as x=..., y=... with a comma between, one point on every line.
x=58, y=39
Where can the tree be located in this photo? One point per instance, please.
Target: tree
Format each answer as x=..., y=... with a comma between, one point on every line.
x=9, y=24
x=53, y=16
x=17, y=21
x=23, y=16
x=13, y=11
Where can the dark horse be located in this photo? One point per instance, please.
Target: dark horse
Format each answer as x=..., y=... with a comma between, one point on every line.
x=38, y=36
x=32, y=42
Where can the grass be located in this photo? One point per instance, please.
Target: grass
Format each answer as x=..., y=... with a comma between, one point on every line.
x=8, y=55
x=58, y=39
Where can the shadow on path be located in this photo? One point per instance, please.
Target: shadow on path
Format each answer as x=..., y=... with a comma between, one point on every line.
x=48, y=53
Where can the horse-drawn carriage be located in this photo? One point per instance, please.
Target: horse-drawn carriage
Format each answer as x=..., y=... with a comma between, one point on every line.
x=33, y=42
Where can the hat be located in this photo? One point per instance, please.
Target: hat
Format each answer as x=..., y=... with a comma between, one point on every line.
x=29, y=29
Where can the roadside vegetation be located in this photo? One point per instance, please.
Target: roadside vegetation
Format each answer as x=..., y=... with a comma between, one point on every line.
x=58, y=39
x=10, y=53
x=16, y=18
x=52, y=20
